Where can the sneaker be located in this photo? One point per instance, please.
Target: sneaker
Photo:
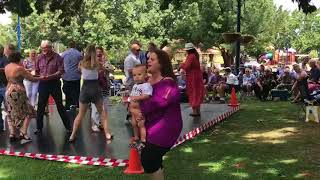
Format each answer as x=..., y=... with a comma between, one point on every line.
x=95, y=128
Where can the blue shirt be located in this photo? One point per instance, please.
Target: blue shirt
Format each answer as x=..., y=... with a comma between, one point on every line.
x=142, y=57
x=71, y=60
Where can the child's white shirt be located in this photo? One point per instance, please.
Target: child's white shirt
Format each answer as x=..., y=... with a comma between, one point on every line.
x=142, y=89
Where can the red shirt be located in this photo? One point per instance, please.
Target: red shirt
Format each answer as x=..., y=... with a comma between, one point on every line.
x=49, y=64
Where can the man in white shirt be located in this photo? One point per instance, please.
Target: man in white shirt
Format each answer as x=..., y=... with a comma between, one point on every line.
x=232, y=80
x=131, y=60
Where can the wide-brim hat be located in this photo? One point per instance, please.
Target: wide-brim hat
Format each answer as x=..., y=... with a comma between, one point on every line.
x=189, y=46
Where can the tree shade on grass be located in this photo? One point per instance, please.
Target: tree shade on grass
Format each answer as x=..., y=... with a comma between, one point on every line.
x=262, y=141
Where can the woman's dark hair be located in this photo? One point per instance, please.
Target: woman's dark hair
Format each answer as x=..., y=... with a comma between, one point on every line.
x=15, y=57
x=165, y=63
x=195, y=52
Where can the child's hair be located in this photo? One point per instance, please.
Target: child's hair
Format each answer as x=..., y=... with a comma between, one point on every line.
x=90, y=61
x=139, y=66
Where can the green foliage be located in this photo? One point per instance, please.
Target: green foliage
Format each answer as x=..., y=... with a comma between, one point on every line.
x=113, y=24
x=7, y=35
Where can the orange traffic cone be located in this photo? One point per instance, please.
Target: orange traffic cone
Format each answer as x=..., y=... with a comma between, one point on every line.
x=50, y=100
x=233, y=100
x=51, y=103
x=135, y=166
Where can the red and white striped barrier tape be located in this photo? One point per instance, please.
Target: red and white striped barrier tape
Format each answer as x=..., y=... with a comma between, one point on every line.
x=70, y=159
x=115, y=162
x=205, y=126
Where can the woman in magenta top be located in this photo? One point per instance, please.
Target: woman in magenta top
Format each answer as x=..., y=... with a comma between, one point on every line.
x=195, y=86
x=162, y=114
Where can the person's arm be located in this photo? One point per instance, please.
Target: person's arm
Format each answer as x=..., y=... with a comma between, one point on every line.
x=188, y=63
x=27, y=75
x=139, y=98
x=294, y=86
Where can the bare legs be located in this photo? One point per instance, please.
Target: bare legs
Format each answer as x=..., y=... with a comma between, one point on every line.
x=82, y=111
x=134, y=124
x=12, y=128
x=104, y=119
x=23, y=129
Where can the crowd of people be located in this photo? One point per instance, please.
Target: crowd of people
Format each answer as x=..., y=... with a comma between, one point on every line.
x=154, y=102
x=298, y=80
x=153, y=88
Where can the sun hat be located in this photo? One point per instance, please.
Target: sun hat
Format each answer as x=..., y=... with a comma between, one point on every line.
x=189, y=46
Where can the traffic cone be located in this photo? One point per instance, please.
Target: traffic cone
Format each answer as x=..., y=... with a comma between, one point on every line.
x=50, y=100
x=233, y=100
x=135, y=166
x=51, y=104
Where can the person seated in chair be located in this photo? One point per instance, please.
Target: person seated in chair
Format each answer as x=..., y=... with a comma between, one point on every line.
x=286, y=80
x=232, y=81
x=264, y=84
x=301, y=77
x=217, y=85
x=248, y=82
x=313, y=81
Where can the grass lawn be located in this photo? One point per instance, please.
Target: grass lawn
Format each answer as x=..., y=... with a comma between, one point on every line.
x=261, y=141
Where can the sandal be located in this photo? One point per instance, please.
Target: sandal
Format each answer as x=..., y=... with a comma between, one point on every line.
x=140, y=145
x=24, y=138
x=110, y=137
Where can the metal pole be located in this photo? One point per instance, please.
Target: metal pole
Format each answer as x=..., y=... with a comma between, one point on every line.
x=238, y=41
x=19, y=34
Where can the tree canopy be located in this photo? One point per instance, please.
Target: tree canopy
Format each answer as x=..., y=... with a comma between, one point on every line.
x=114, y=23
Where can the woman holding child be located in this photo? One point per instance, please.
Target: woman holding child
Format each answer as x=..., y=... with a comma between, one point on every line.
x=161, y=112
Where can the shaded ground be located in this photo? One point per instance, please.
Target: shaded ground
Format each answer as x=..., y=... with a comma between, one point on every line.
x=261, y=141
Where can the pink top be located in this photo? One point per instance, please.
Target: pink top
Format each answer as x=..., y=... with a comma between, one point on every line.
x=163, y=114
